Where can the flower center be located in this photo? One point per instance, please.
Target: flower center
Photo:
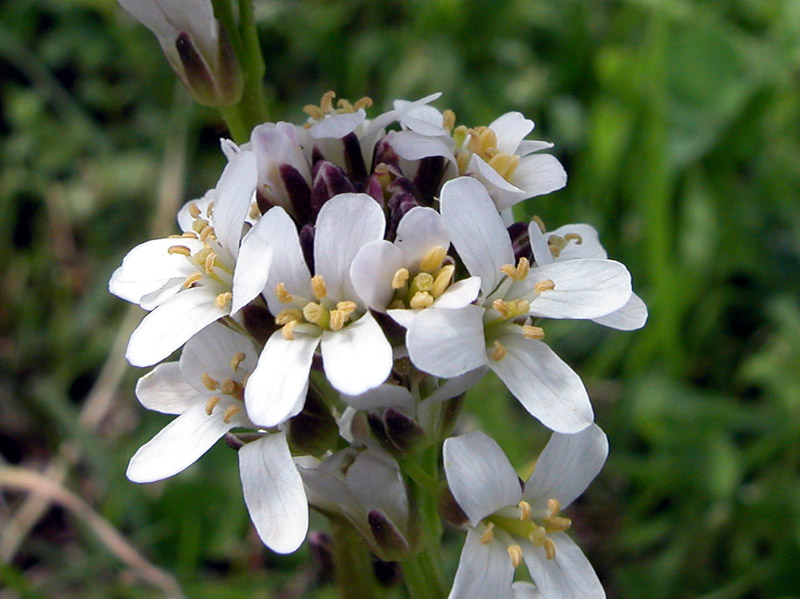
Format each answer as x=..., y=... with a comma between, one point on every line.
x=482, y=141
x=228, y=387
x=420, y=291
x=323, y=313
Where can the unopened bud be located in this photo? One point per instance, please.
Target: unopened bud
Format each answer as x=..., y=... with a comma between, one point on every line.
x=390, y=542
x=404, y=432
x=449, y=509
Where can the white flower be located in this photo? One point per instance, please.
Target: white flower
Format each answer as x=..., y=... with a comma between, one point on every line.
x=322, y=311
x=509, y=524
x=191, y=280
x=508, y=165
x=578, y=241
x=205, y=391
x=195, y=45
x=497, y=332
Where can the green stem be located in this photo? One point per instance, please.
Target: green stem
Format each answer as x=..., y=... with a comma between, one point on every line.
x=355, y=578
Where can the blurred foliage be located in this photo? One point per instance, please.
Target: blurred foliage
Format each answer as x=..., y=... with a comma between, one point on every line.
x=678, y=124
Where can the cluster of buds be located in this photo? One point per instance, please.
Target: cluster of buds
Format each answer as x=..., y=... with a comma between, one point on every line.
x=337, y=293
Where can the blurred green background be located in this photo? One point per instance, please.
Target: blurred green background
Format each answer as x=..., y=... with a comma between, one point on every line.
x=679, y=125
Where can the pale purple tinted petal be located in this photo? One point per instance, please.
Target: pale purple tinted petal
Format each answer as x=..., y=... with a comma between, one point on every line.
x=479, y=475
x=280, y=379
x=164, y=390
x=358, y=357
x=476, y=230
x=345, y=223
x=273, y=493
x=568, y=576
x=447, y=343
x=234, y=195
x=630, y=317
x=544, y=385
x=171, y=325
x=178, y=445
x=484, y=570
x=566, y=466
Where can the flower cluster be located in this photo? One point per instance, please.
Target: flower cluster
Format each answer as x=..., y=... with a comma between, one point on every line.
x=336, y=294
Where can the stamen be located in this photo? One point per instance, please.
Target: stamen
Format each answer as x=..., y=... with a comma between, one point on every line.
x=229, y=413
x=422, y=282
x=524, y=510
x=504, y=164
x=236, y=360
x=364, y=102
x=549, y=548
x=540, y=224
x=554, y=505
x=209, y=263
x=400, y=278
x=532, y=332
x=207, y=232
x=448, y=119
x=574, y=237
x=283, y=294
x=488, y=535
x=537, y=536
x=316, y=314
x=318, y=287
x=499, y=352
x=337, y=320
x=179, y=249
x=211, y=403
x=255, y=211
x=223, y=299
x=326, y=104
x=192, y=279
x=288, y=330
x=199, y=224
x=188, y=235
x=315, y=112
x=546, y=285
x=442, y=280
x=501, y=306
x=210, y=209
x=518, y=272
x=433, y=259
x=208, y=382
x=229, y=387
x=345, y=105
x=347, y=307
x=194, y=210
x=288, y=315
x=515, y=553
x=421, y=299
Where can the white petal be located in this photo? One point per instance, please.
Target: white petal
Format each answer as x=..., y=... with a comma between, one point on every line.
x=589, y=246
x=458, y=385
x=412, y=145
x=372, y=271
x=337, y=125
x=420, y=230
x=568, y=576
x=425, y=119
x=503, y=193
x=476, y=230
x=280, y=379
x=288, y=264
x=383, y=396
x=164, y=390
x=358, y=357
x=345, y=223
x=545, y=386
x=234, y=195
x=538, y=174
x=583, y=289
x=484, y=570
x=210, y=352
x=171, y=325
x=479, y=475
x=252, y=266
x=459, y=294
x=149, y=266
x=185, y=218
x=525, y=590
x=447, y=343
x=273, y=492
x=510, y=128
x=630, y=317
x=566, y=466
x=403, y=317
x=541, y=251
x=376, y=482
x=179, y=444
x=530, y=146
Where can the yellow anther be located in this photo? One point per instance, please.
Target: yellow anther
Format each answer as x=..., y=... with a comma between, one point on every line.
x=462, y=160
x=524, y=510
x=442, y=280
x=498, y=352
x=210, y=209
x=518, y=272
x=194, y=210
x=549, y=548
x=515, y=553
x=315, y=112
x=315, y=313
x=540, y=223
x=288, y=315
x=554, y=506
x=179, y=249
x=546, y=285
x=229, y=413
x=346, y=307
x=460, y=134
x=211, y=403
x=237, y=360
x=199, y=224
x=283, y=294
x=574, y=237
x=326, y=103
x=364, y=102
x=255, y=211
x=336, y=320
x=223, y=299
x=288, y=330
x=421, y=299
x=432, y=259
x=189, y=235
x=555, y=250
x=488, y=535
x=344, y=105
x=207, y=232
x=318, y=287
x=209, y=263
x=531, y=332
x=228, y=387
x=504, y=164
x=208, y=382
x=448, y=120
x=192, y=279
x=511, y=308
x=400, y=278
x=537, y=536
x=501, y=306
x=482, y=141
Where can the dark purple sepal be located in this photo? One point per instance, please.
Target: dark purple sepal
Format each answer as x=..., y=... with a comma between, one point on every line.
x=298, y=191
x=520, y=241
x=428, y=179
x=389, y=540
x=328, y=181
x=354, y=159
x=307, y=244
